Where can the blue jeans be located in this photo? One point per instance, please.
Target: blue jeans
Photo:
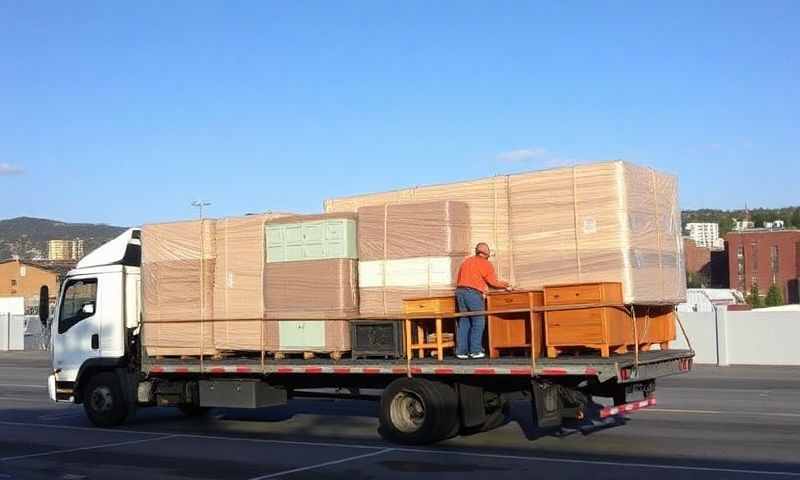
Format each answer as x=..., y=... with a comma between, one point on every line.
x=469, y=332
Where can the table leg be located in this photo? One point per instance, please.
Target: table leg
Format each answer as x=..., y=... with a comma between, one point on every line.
x=439, y=348
x=421, y=339
x=409, y=340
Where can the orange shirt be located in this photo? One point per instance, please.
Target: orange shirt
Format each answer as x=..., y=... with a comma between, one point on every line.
x=478, y=273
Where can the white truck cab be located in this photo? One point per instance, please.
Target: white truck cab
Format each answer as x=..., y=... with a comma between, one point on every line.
x=98, y=309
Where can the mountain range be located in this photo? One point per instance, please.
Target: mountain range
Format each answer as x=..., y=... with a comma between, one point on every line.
x=27, y=237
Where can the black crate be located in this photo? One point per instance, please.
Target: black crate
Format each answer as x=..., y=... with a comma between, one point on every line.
x=377, y=338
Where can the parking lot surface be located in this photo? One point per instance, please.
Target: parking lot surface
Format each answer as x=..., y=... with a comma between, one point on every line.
x=733, y=423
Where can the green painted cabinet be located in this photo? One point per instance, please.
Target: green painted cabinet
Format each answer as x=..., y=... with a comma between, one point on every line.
x=299, y=335
x=314, y=240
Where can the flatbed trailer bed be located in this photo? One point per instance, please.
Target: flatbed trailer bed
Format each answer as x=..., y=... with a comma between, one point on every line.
x=651, y=364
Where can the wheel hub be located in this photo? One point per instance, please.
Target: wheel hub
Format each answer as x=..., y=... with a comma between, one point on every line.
x=407, y=412
x=102, y=400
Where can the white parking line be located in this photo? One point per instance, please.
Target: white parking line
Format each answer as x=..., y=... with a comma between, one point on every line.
x=325, y=464
x=657, y=466
x=81, y=449
x=378, y=449
x=17, y=385
x=723, y=412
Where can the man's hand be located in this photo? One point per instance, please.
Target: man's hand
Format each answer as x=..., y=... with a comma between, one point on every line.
x=510, y=288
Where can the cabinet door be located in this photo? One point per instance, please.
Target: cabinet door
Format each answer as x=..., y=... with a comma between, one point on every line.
x=302, y=335
x=276, y=244
x=313, y=240
x=335, y=240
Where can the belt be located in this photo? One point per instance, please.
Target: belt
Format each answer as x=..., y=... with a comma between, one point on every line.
x=470, y=288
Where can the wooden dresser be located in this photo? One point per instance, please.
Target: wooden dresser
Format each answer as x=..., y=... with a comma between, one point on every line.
x=513, y=330
x=601, y=328
x=656, y=325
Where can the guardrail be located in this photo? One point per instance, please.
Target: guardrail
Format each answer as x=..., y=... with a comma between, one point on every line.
x=723, y=337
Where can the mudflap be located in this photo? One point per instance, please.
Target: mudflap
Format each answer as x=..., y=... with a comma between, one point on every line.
x=546, y=404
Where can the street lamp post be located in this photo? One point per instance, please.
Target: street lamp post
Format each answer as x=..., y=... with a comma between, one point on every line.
x=200, y=204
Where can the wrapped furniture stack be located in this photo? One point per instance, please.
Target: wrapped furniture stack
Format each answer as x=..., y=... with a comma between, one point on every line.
x=409, y=250
x=602, y=222
x=178, y=269
x=219, y=285
x=310, y=273
x=213, y=286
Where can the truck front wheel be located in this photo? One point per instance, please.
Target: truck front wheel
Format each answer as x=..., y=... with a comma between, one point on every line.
x=103, y=400
x=416, y=411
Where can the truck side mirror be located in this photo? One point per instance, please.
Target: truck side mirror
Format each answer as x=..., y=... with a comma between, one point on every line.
x=44, y=304
x=87, y=309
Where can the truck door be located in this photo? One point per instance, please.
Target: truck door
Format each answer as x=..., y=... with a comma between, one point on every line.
x=77, y=327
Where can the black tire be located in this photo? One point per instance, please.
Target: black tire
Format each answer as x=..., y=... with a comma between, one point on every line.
x=193, y=409
x=103, y=400
x=416, y=411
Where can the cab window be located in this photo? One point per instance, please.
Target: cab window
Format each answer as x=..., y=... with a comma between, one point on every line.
x=79, y=302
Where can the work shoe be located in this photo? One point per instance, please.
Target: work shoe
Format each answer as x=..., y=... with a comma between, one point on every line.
x=477, y=355
x=462, y=356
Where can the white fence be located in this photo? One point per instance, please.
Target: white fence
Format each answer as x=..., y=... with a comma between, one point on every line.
x=21, y=332
x=742, y=337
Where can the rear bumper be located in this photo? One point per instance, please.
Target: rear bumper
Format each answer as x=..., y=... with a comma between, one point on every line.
x=654, y=370
x=627, y=407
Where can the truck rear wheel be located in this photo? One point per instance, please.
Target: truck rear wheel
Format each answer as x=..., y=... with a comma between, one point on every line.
x=103, y=400
x=416, y=411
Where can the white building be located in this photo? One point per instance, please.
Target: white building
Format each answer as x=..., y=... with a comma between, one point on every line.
x=743, y=225
x=705, y=235
x=775, y=225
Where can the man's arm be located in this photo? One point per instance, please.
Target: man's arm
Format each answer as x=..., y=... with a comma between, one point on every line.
x=490, y=277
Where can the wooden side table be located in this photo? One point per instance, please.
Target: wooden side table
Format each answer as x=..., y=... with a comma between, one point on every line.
x=515, y=330
x=426, y=310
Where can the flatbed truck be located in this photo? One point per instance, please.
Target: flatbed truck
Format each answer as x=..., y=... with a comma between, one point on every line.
x=98, y=360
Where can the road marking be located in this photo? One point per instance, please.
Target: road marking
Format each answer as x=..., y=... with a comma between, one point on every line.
x=602, y=462
x=81, y=449
x=325, y=464
x=411, y=450
x=193, y=435
x=17, y=385
x=27, y=399
x=59, y=416
x=723, y=412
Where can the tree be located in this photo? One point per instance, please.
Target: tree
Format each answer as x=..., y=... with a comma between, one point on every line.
x=795, y=219
x=754, y=299
x=774, y=296
x=697, y=280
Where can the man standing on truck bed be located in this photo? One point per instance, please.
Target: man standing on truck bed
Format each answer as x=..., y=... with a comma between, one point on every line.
x=475, y=277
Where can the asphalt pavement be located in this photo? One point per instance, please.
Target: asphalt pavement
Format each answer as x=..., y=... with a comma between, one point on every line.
x=730, y=422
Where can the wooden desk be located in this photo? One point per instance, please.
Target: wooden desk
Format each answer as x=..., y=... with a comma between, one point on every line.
x=435, y=307
x=513, y=330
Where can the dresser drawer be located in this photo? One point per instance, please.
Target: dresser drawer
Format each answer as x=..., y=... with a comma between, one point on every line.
x=432, y=305
x=575, y=327
x=508, y=301
x=573, y=294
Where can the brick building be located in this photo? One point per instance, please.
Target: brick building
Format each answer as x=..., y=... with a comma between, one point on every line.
x=710, y=263
x=763, y=257
x=697, y=258
x=22, y=278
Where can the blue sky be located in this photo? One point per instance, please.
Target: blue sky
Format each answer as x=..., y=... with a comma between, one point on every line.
x=124, y=113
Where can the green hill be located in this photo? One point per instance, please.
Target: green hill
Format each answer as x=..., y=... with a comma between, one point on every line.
x=27, y=237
